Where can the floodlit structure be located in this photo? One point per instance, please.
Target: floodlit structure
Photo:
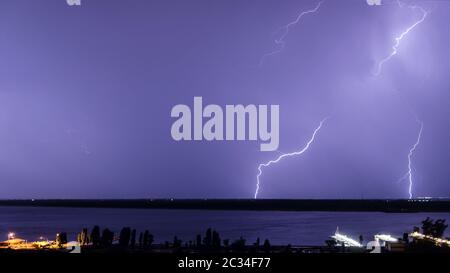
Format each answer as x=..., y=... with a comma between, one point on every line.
x=344, y=239
x=437, y=241
x=385, y=238
x=16, y=243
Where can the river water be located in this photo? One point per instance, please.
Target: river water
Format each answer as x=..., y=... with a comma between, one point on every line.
x=296, y=228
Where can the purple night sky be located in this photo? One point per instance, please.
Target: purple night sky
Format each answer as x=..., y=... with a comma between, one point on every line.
x=86, y=94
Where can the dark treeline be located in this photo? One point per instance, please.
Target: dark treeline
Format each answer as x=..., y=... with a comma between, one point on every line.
x=104, y=239
x=433, y=228
x=131, y=239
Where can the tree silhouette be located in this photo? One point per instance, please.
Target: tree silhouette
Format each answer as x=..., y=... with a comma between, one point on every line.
x=266, y=245
x=405, y=237
x=427, y=225
x=147, y=240
x=257, y=243
x=434, y=228
x=150, y=239
x=176, y=242
x=208, y=238
x=95, y=236
x=124, y=237
x=133, y=238
x=439, y=228
x=239, y=244
x=141, y=240
x=107, y=238
x=84, y=236
x=215, y=239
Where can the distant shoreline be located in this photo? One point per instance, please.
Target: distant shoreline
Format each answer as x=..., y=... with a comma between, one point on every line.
x=355, y=205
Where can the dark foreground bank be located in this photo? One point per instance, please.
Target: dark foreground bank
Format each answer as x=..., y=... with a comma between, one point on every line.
x=228, y=262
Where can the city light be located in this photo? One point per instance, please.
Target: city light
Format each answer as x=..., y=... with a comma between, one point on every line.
x=386, y=238
x=11, y=235
x=438, y=241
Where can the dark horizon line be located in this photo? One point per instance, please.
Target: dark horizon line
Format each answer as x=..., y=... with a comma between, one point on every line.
x=373, y=205
x=227, y=199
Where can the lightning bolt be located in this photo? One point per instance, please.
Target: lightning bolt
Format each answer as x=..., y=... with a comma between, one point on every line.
x=280, y=41
x=304, y=149
x=410, y=154
x=401, y=36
